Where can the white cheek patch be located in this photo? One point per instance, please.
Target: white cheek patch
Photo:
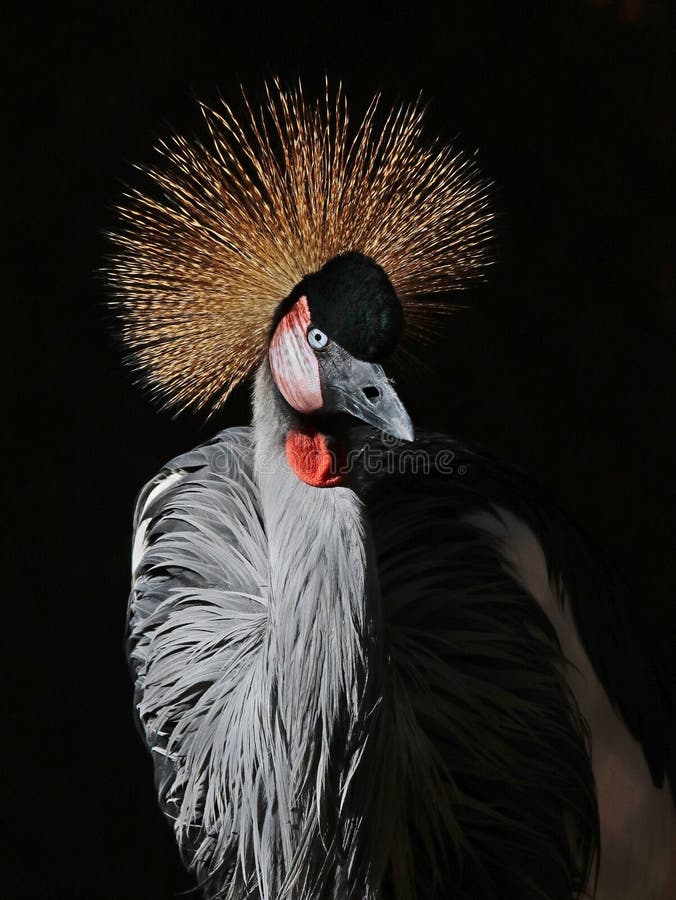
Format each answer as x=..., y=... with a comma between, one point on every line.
x=293, y=362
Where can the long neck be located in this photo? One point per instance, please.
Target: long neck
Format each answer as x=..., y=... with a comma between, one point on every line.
x=323, y=639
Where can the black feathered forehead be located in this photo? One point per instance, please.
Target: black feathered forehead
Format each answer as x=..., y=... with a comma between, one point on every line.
x=352, y=300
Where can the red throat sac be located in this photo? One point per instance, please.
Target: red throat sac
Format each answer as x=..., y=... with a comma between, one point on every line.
x=316, y=458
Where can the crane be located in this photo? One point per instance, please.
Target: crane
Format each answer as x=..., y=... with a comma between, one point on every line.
x=369, y=661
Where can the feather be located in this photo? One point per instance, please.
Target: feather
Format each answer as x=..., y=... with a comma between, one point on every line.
x=302, y=751
x=228, y=226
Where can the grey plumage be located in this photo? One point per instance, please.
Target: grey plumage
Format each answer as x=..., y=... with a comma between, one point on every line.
x=335, y=714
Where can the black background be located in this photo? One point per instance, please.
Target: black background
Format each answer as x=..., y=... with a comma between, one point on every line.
x=564, y=362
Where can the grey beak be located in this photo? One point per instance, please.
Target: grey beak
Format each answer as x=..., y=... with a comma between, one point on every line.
x=363, y=390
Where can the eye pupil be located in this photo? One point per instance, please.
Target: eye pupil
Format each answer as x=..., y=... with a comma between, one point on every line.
x=317, y=339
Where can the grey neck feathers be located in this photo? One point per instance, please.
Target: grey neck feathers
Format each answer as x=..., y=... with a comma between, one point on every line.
x=323, y=654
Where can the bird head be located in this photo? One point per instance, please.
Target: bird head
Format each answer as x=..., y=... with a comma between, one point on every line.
x=288, y=215
x=328, y=337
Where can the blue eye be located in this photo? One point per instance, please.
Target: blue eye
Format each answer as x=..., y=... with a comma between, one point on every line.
x=317, y=339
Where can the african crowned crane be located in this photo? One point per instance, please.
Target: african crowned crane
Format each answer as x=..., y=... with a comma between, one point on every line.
x=358, y=680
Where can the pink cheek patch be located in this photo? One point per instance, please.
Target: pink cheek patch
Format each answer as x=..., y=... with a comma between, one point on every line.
x=293, y=362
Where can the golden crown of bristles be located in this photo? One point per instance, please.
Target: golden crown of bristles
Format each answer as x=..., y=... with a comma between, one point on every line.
x=231, y=225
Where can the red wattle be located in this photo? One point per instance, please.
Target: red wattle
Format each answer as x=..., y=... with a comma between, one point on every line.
x=315, y=458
